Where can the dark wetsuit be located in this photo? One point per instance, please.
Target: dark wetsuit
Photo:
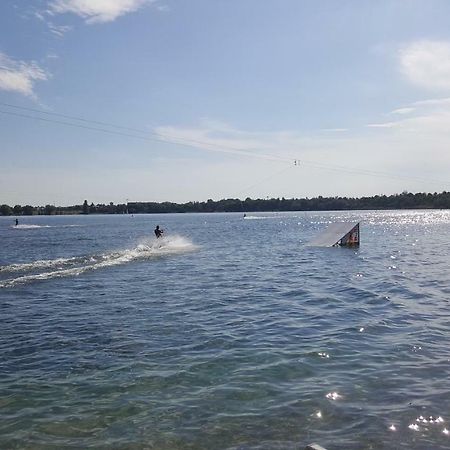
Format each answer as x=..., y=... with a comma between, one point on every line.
x=158, y=232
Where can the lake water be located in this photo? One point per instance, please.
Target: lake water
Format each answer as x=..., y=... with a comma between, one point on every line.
x=230, y=333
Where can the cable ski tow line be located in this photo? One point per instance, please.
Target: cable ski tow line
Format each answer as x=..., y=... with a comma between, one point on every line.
x=371, y=173
x=278, y=172
x=149, y=136
x=198, y=145
x=65, y=116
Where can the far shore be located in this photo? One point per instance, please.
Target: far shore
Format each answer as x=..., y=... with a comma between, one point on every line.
x=405, y=200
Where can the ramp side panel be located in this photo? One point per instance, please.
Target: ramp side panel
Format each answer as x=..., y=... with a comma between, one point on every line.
x=333, y=234
x=351, y=238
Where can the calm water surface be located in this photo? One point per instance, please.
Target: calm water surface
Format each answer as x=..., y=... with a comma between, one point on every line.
x=231, y=333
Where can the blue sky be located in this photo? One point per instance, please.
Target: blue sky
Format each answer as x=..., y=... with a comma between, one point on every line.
x=215, y=99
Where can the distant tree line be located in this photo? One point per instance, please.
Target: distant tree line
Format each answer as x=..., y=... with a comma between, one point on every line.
x=52, y=210
x=405, y=200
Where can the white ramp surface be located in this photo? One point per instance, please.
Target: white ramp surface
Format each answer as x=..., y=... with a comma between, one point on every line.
x=333, y=234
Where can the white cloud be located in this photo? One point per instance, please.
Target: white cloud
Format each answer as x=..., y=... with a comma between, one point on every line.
x=427, y=64
x=163, y=8
x=97, y=11
x=334, y=130
x=434, y=102
x=39, y=16
x=58, y=30
x=214, y=137
x=411, y=152
x=403, y=111
x=20, y=76
x=424, y=122
x=383, y=125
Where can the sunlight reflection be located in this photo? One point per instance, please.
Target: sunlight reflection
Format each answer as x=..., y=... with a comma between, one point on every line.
x=333, y=395
x=430, y=419
x=427, y=421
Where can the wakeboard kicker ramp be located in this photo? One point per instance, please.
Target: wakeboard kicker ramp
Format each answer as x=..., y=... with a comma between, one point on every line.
x=342, y=234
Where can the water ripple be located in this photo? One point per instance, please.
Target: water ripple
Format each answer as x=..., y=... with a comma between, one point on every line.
x=254, y=341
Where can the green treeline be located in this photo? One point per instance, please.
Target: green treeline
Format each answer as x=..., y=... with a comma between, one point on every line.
x=405, y=200
x=52, y=210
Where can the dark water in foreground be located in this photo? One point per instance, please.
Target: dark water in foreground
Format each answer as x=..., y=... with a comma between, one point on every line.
x=233, y=334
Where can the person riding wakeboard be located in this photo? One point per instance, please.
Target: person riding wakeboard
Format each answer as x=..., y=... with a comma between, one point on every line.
x=158, y=232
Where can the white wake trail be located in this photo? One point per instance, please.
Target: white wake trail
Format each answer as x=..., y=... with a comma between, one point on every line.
x=64, y=267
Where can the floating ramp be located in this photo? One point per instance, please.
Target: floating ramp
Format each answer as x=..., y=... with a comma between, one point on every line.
x=338, y=234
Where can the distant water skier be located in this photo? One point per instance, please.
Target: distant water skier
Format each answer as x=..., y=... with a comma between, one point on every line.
x=158, y=232
x=17, y=222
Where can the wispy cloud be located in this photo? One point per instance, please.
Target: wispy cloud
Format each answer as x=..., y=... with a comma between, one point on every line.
x=425, y=118
x=97, y=11
x=403, y=111
x=216, y=136
x=445, y=102
x=20, y=76
x=334, y=130
x=282, y=145
x=383, y=125
x=413, y=145
x=43, y=16
x=163, y=8
x=427, y=64
x=58, y=30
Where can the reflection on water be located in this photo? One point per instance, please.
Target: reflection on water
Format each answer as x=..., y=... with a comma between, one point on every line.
x=232, y=334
